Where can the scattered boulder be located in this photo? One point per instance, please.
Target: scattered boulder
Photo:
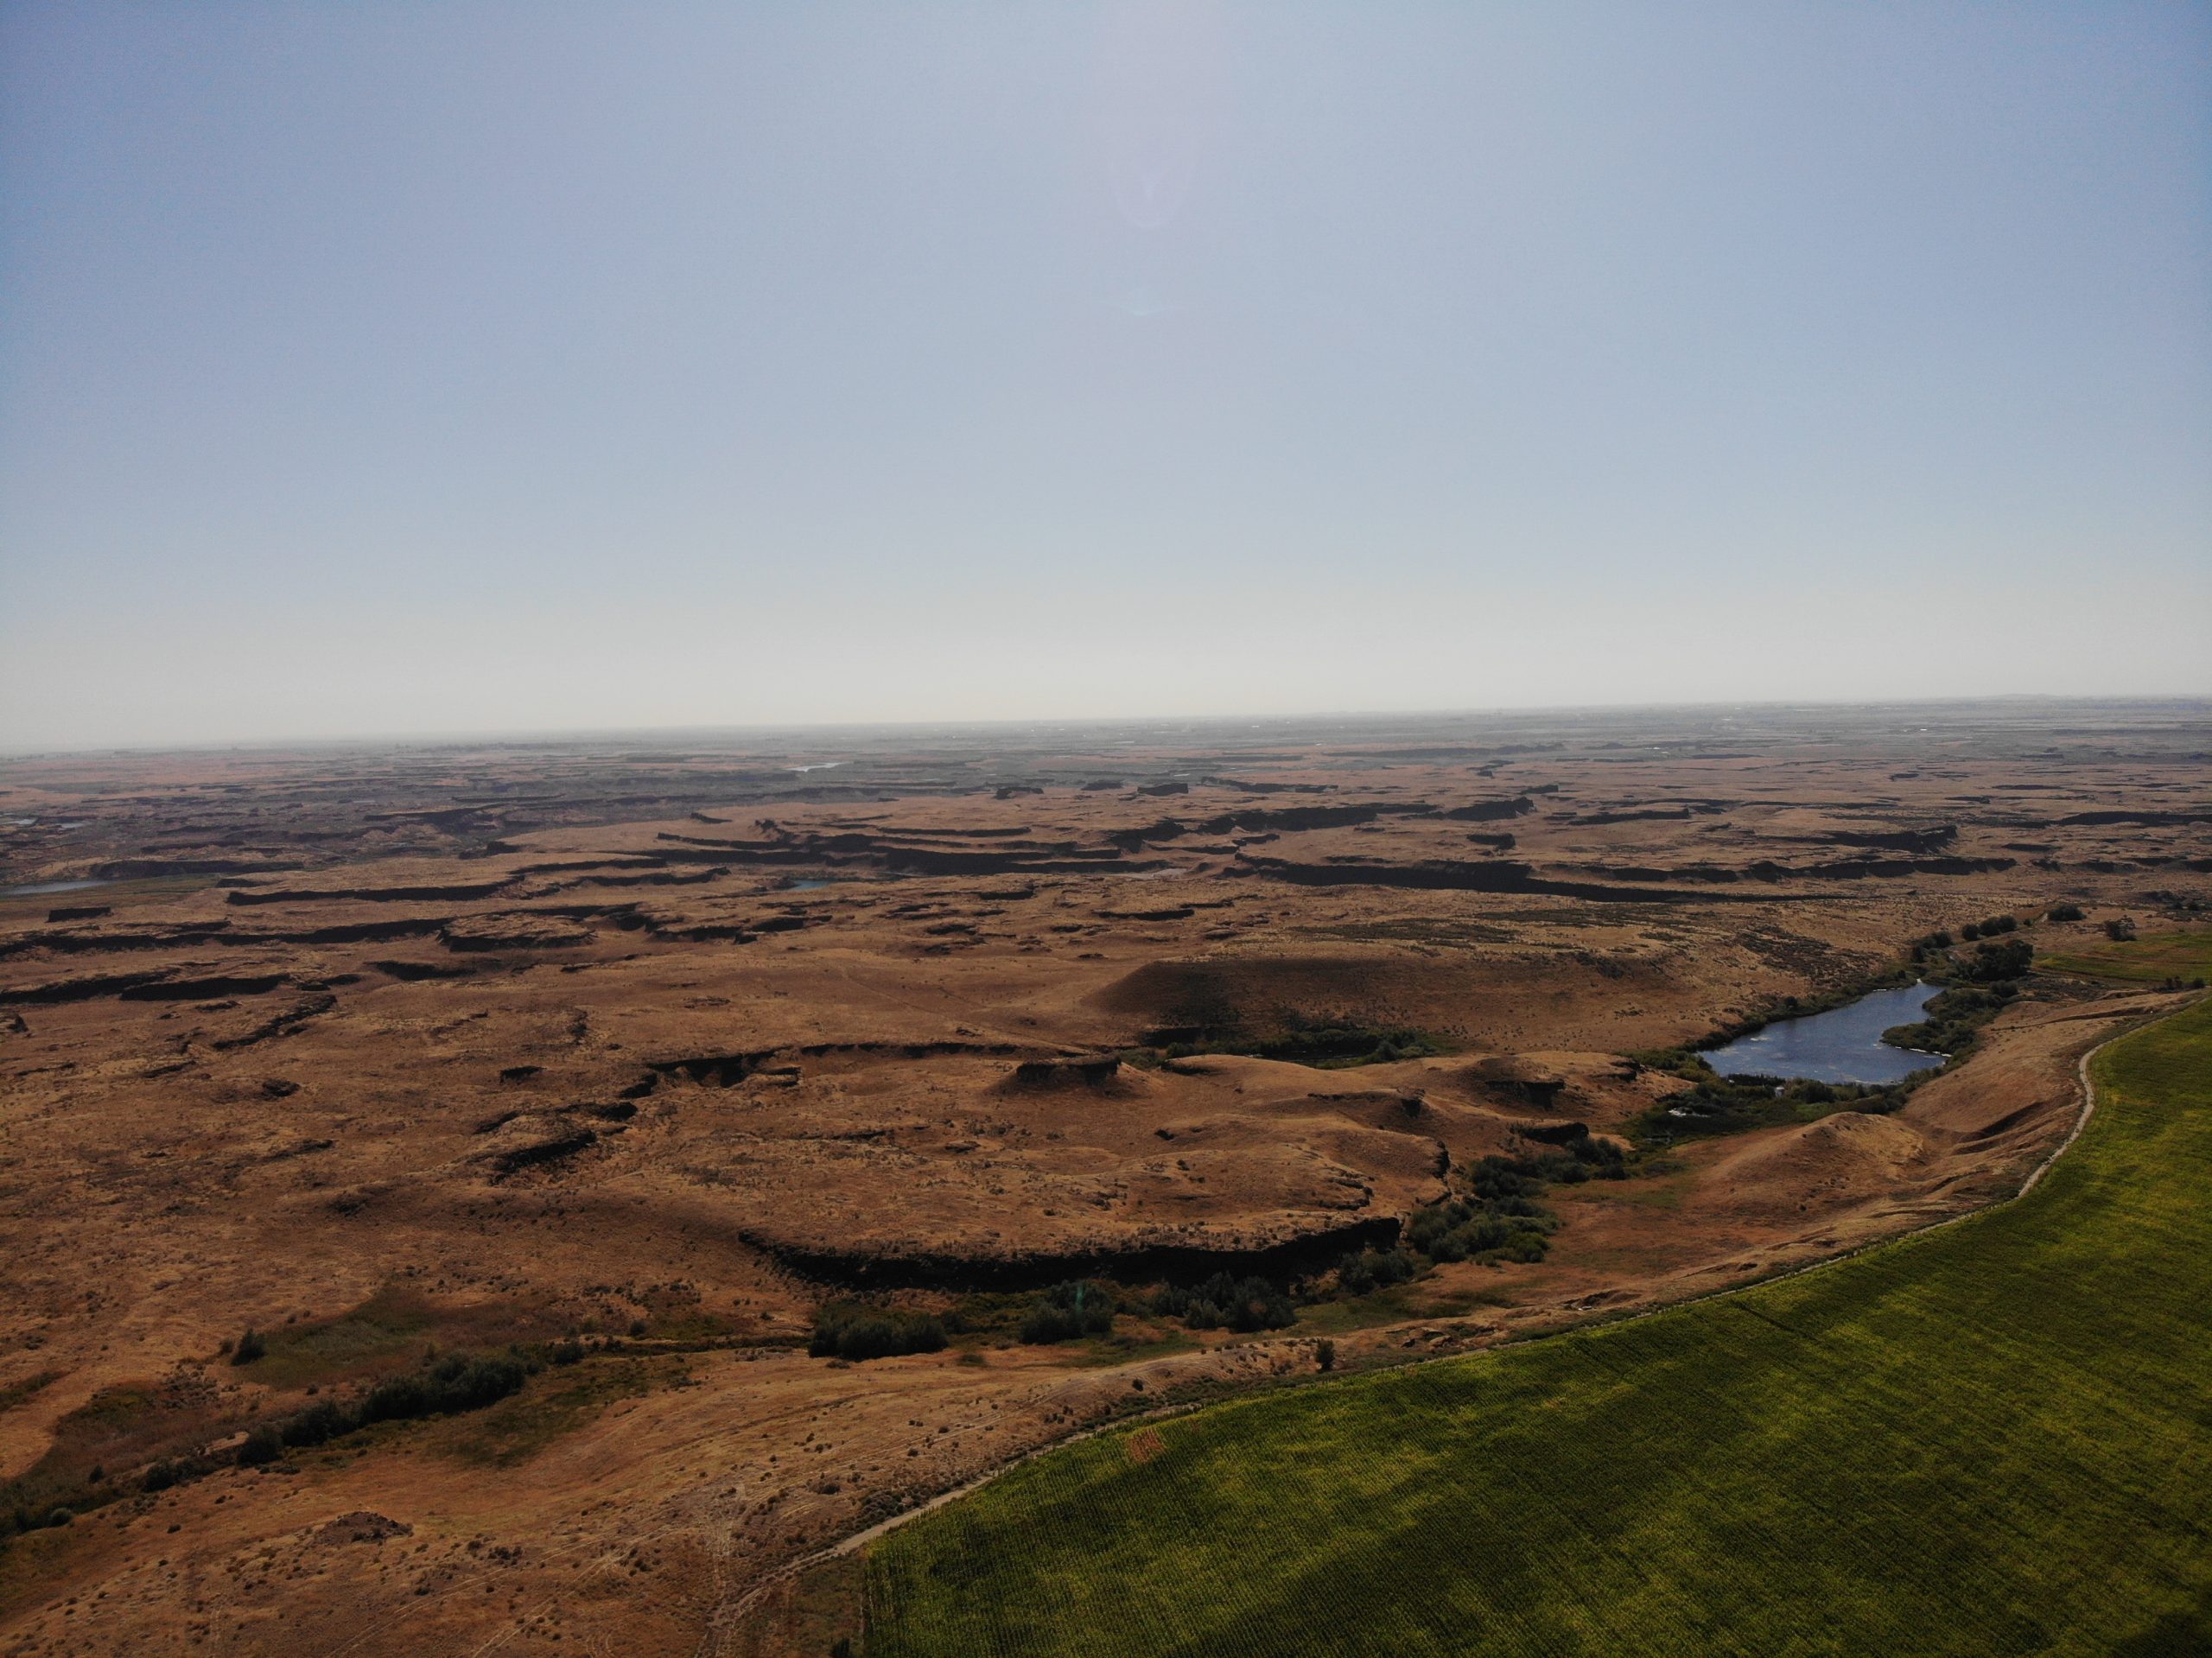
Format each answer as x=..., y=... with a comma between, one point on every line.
x=362, y=1526
x=1093, y=1071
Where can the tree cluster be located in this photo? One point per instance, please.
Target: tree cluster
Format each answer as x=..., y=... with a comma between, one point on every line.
x=843, y=1330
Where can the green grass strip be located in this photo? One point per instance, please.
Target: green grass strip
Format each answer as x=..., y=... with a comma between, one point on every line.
x=2142, y=961
x=1995, y=1438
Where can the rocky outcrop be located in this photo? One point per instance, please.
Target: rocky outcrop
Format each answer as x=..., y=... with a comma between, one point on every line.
x=1134, y=840
x=1309, y=817
x=516, y=930
x=211, y=989
x=1486, y=811
x=1642, y=814
x=116, y=939
x=88, y=989
x=552, y=1148
x=1920, y=840
x=350, y=932
x=1511, y=1079
x=1142, y=1261
x=284, y=1023
x=1877, y=869
x=408, y=972
x=456, y=894
x=1492, y=875
x=1093, y=1071
x=2141, y=819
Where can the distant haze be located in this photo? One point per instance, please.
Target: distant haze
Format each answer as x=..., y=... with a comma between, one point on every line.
x=472, y=366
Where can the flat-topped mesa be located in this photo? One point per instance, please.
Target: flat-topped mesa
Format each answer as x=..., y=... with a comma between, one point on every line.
x=425, y=894
x=1933, y=839
x=1134, y=840
x=923, y=861
x=1252, y=786
x=1311, y=818
x=1879, y=869
x=1489, y=875
x=1485, y=811
x=159, y=985
x=2138, y=819
x=108, y=940
x=514, y=929
x=918, y=852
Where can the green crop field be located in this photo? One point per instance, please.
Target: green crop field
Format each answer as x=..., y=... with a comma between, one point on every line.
x=2141, y=961
x=1993, y=1438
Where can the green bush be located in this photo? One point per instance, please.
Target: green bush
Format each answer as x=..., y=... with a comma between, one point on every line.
x=168, y=1472
x=454, y=1383
x=1730, y=1105
x=1497, y=1217
x=1068, y=1313
x=1375, y=1269
x=1991, y=963
x=2064, y=912
x=846, y=1331
x=1951, y=1021
x=1224, y=1302
x=251, y=1346
x=320, y=1422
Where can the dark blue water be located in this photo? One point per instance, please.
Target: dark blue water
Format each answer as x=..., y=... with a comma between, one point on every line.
x=1841, y=1046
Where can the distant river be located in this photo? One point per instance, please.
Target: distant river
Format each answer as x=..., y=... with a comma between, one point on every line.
x=1841, y=1046
x=41, y=889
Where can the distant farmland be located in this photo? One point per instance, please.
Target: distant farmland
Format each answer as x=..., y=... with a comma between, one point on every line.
x=1993, y=1439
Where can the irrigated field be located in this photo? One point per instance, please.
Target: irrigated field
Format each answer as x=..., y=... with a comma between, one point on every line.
x=2184, y=956
x=1991, y=1438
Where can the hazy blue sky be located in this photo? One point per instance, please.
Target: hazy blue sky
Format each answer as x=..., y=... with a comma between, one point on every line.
x=470, y=367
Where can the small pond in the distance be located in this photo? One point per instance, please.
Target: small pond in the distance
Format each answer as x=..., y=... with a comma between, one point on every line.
x=1841, y=1046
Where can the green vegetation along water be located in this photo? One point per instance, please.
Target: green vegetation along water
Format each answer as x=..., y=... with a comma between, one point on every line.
x=1843, y=1044
x=1993, y=1438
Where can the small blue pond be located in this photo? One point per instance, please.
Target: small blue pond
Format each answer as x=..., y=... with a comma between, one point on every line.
x=1841, y=1046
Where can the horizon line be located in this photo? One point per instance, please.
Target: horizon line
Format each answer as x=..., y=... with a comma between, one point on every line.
x=548, y=735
